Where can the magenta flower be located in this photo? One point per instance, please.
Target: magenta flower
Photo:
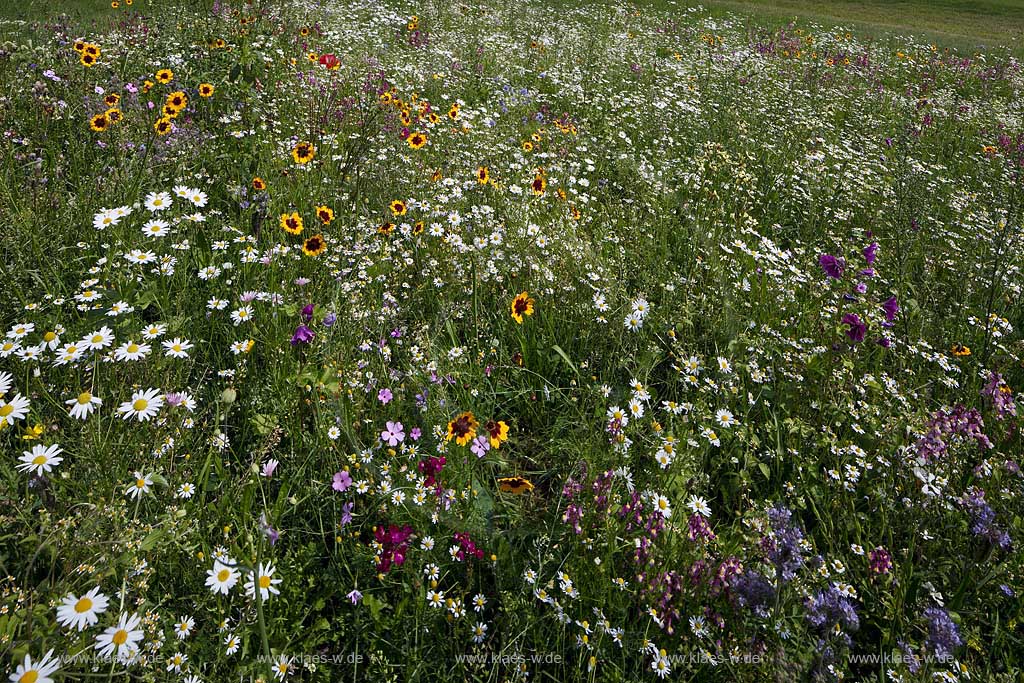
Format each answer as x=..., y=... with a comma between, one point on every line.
x=385, y=396
x=342, y=480
x=891, y=308
x=307, y=312
x=857, y=328
x=303, y=335
x=394, y=434
x=870, y=252
x=416, y=433
x=832, y=266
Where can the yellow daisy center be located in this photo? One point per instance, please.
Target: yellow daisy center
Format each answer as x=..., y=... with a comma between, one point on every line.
x=30, y=676
x=140, y=483
x=40, y=460
x=6, y=410
x=140, y=405
x=133, y=348
x=97, y=338
x=84, y=397
x=264, y=581
x=120, y=638
x=223, y=575
x=83, y=605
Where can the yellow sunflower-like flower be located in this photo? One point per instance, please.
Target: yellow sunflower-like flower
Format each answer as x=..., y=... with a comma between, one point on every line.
x=291, y=223
x=522, y=305
x=462, y=428
x=303, y=153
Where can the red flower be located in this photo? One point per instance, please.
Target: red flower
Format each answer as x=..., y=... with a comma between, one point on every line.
x=329, y=61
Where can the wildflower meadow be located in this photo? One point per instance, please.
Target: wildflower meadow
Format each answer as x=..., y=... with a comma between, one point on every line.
x=507, y=341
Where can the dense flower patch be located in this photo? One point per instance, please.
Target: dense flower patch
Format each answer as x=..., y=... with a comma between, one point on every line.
x=365, y=340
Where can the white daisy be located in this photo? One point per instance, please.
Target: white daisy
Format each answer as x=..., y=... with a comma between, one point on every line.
x=81, y=612
x=154, y=331
x=266, y=580
x=143, y=406
x=131, y=351
x=725, y=418
x=232, y=642
x=183, y=629
x=176, y=661
x=99, y=339
x=36, y=672
x=241, y=315
x=120, y=640
x=83, y=405
x=156, y=228
x=158, y=201
x=16, y=409
x=177, y=347
x=40, y=459
x=104, y=219
x=282, y=666
x=20, y=331
x=222, y=578
x=69, y=353
x=140, y=485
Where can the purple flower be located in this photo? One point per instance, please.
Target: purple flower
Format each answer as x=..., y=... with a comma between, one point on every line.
x=857, y=327
x=881, y=561
x=394, y=434
x=783, y=544
x=831, y=613
x=342, y=480
x=385, y=396
x=303, y=335
x=416, y=433
x=268, y=530
x=307, y=312
x=269, y=467
x=860, y=288
x=891, y=308
x=346, y=514
x=755, y=592
x=943, y=633
x=330, y=319
x=355, y=596
x=480, y=446
x=832, y=266
x=871, y=252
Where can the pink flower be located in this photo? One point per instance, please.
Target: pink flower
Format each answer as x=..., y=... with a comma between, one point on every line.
x=269, y=467
x=384, y=396
x=480, y=446
x=342, y=480
x=393, y=435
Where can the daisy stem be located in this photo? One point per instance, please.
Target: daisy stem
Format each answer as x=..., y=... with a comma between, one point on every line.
x=259, y=605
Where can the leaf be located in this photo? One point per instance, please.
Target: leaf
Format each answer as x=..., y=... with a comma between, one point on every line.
x=375, y=605
x=150, y=541
x=263, y=424
x=558, y=349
